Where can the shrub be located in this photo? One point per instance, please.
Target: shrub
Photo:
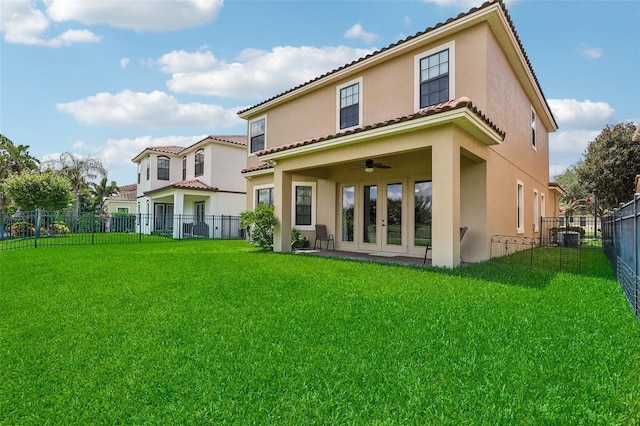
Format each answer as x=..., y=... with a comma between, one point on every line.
x=262, y=220
x=23, y=229
x=57, y=229
x=298, y=240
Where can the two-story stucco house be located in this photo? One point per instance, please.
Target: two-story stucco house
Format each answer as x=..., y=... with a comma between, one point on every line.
x=180, y=190
x=444, y=129
x=123, y=202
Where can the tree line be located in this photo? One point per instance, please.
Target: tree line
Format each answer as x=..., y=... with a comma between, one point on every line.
x=602, y=179
x=62, y=182
x=605, y=175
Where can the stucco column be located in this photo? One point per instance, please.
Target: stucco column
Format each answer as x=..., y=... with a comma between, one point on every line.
x=178, y=210
x=282, y=202
x=445, y=232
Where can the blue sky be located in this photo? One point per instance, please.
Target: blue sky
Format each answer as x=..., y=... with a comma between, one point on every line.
x=109, y=78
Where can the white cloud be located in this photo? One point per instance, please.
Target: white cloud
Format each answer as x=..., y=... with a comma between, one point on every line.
x=124, y=62
x=580, y=114
x=180, y=61
x=359, y=33
x=590, y=52
x=256, y=74
x=23, y=23
x=153, y=110
x=73, y=36
x=583, y=121
x=156, y=16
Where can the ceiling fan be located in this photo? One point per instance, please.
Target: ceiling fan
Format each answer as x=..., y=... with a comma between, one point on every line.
x=370, y=166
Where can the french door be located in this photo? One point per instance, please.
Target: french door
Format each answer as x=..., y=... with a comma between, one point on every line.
x=382, y=217
x=163, y=217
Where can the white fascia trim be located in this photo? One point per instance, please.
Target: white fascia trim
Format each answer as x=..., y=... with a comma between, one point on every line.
x=262, y=172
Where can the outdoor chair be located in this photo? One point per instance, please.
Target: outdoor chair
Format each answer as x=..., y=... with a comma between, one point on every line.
x=463, y=231
x=322, y=235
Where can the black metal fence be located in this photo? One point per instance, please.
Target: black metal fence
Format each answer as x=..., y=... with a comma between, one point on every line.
x=43, y=228
x=569, y=244
x=621, y=241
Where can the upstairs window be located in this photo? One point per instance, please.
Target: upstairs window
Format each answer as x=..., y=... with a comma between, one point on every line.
x=349, y=104
x=434, y=76
x=533, y=129
x=163, y=168
x=434, y=79
x=199, y=166
x=148, y=166
x=184, y=168
x=257, y=134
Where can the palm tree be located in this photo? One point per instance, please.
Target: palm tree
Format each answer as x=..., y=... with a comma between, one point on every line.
x=78, y=170
x=14, y=159
x=100, y=192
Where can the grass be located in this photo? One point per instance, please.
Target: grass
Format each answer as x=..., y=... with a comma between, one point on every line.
x=201, y=332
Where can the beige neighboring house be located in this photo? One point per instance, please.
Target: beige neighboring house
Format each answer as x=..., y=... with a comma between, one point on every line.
x=183, y=191
x=122, y=202
x=444, y=129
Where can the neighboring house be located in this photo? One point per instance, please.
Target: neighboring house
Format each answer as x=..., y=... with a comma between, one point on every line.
x=456, y=113
x=180, y=190
x=122, y=202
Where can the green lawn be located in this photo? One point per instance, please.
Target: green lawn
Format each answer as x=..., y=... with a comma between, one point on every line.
x=198, y=332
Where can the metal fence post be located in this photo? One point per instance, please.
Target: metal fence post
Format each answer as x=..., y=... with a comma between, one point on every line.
x=37, y=233
x=636, y=267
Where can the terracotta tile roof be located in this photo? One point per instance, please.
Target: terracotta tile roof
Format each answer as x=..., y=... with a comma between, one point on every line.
x=234, y=139
x=123, y=196
x=557, y=187
x=261, y=166
x=419, y=34
x=130, y=187
x=176, y=150
x=192, y=184
x=169, y=149
x=462, y=102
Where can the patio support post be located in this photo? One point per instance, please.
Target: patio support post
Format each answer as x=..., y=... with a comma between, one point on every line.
x=446, y=204
x=282, y=202
x=178, y=209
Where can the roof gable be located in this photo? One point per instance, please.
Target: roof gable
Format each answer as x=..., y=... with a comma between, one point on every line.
x=463, y=20
x=239, y=140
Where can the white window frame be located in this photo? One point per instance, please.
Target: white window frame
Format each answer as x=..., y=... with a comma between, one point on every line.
x=452, y=71
x=313, y=186
x=543, y=205
x=357, y=81
x=263, y=117
x=534, y=131
x=520, y=207
x=259, y=187
x=536, y=210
